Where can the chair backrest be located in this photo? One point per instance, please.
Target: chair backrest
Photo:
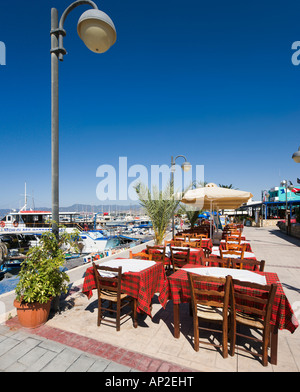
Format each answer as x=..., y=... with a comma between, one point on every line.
x=179, y=257
x=235, y=232
x=226, y=254
x=157, y=253
x=140, y=255
x=252, y=265
x=252, y=298
x=235, y=246
x=194, y=244
x=185, y=236
x=108, y=283
x=210, y=291
x=177, y=242
x=199, y=235
x=231, y=238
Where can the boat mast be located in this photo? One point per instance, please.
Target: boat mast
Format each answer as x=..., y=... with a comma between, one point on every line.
x=24, y=208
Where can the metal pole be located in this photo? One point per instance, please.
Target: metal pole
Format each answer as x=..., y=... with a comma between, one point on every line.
x=54, y=124
x=286, y=209
x=172, y=190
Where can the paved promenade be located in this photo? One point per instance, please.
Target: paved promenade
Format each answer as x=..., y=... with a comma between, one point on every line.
x=71, y=340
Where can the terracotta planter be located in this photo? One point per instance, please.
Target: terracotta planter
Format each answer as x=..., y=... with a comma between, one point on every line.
x=32, y=315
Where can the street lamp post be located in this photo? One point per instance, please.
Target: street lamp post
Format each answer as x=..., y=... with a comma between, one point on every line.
x=98, y=33
x=288, y=185
x=185, y=167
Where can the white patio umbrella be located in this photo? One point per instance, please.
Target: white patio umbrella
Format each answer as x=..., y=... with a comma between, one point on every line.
x=213, y=196
x=222, y=198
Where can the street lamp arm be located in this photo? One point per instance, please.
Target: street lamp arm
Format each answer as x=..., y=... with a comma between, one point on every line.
x=180, y=156
x=60, y=32
x=71, y=7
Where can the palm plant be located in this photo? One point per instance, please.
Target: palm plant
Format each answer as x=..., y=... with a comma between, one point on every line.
x=191, y=214
x=226, y=186
x=159, y=206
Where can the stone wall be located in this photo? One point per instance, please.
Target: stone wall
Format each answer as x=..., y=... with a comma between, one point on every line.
x=266, y=222
x=294, y=229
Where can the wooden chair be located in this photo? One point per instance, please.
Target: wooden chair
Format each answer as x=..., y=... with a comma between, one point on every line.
x=232, y=239
x=140, y=255
x=251, y=265
x=179, y=257
x=235, y=246
x=235, y=232
x=210, y=303
x=194, y=244
x=199, y=235
x=197, y=244
x=109, y=289
x=224, y=254
x=252, y=311
x=158, y=254
x=185, y=236
x=177, y=243
x=207, y=252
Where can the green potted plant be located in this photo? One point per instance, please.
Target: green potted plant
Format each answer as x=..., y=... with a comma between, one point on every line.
x=42, y=278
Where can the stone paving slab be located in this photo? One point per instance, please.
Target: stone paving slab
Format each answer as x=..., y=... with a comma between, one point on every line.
x=22, y=351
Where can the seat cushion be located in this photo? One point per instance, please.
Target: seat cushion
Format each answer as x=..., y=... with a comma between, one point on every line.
x=249, y=320
x=111, y=295
x=209, y=312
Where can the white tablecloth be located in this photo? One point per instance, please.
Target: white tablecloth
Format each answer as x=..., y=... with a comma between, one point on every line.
x=128, y=265
x=235, y=242
x=239, y=274
x=247, y=255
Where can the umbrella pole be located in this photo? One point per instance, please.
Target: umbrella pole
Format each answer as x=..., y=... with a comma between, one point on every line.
x=211, y=221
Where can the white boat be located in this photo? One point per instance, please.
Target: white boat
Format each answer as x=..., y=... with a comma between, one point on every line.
x=37, y=222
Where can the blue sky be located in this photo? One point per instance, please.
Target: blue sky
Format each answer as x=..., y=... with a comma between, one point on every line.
x=213, y=81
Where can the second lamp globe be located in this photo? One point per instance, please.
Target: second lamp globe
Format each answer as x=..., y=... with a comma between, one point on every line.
x=96, y=30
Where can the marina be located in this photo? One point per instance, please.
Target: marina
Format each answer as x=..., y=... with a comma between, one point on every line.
x=99, y=235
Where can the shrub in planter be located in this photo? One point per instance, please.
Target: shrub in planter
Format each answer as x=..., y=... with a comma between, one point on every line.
x=42, y=278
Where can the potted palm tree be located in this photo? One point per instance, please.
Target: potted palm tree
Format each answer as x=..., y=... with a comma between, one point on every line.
x=42, y=278
x=159, y=206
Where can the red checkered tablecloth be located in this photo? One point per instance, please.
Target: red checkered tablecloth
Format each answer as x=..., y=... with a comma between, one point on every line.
x=176, y=288
x=140, y=285
x=207, y=243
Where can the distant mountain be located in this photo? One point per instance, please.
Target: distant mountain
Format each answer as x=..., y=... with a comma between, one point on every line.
x=87, y=208
x=3, y=212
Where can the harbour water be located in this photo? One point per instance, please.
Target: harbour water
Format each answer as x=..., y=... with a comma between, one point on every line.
x=98, y=240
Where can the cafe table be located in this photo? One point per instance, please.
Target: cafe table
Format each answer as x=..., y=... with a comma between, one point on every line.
x=177, y=289
x=141, y=279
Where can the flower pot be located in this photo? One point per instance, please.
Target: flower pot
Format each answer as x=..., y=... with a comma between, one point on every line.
x=32, y=315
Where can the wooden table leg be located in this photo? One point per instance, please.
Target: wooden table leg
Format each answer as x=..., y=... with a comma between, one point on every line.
x=274, y=344
x=176, y=320
x=135, y=323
